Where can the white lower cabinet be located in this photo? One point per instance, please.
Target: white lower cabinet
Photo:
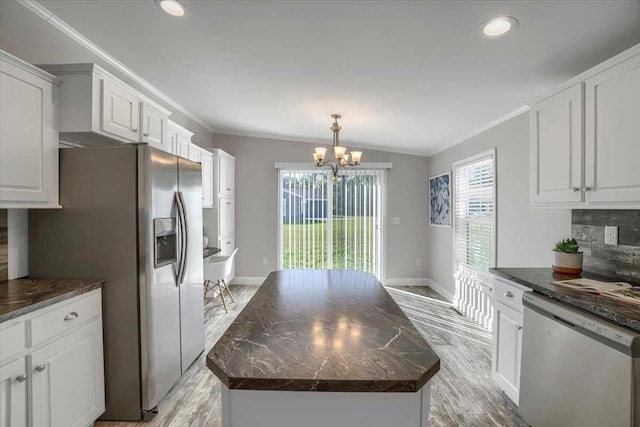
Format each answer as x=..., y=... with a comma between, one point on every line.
x=507, y=349
x=13, y=394
x=58, y=382
x=508, y=329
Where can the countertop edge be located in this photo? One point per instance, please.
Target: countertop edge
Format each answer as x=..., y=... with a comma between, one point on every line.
x=92, y=285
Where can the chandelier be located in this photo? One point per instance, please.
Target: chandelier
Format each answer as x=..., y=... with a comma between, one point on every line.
x=339, y=151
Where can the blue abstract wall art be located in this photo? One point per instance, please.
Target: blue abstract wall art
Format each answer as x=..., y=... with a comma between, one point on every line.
x=440, y=200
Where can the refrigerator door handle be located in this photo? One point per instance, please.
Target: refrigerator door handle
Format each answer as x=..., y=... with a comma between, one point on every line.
x=185, y=238
x=180, y=243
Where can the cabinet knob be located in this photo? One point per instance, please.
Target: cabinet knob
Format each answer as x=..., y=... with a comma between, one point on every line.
x=575, y=189
x=134, y=130
x=146, y=134
x=508, y=294
x=41, y=368
x=587, y=188
x=519, y=327
x=71, y=316
x=228, y=189
x=21, y=378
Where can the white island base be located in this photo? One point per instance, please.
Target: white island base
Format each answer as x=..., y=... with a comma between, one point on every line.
x=258, y=408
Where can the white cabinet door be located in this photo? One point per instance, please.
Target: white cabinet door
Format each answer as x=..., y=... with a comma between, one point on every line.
x=28, y=139
x=557, y=147
x=154, y=123
x=68, y=379
x=207, y=179
x=612, y=121
x=13, y=394
x=507, y=350
x=227, y=247
x=225, y=216
x=183, y=146
x=227, y=176
x=120, y=112
x=195, y=153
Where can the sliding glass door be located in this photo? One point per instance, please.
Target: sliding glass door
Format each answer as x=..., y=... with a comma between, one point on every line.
x=327, y=223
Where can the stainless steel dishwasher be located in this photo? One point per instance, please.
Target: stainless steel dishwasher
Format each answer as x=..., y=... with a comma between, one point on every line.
x=577, y=370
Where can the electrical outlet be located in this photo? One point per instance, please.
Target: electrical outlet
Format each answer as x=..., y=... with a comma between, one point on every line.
x=265, y=261
x=610, y=235
x=418, y=262
x=396, y=220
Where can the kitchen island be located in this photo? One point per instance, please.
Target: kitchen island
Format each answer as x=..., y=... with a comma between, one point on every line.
x=319, y=348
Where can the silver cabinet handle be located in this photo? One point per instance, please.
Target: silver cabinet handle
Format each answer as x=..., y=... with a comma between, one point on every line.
x=228, y=203
x=508, y=294
x=228, y=189
x=71, y=316
x=41, y=368
x=519, y=327
x=146, y=134
x=134, y=130
x=575, y=189
x=21, y=378
x=587, y=188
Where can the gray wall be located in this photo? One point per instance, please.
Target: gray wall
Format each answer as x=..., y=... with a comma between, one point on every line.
x=525, y=235
x=622, y=261
x=29, y=37
x=257, y=203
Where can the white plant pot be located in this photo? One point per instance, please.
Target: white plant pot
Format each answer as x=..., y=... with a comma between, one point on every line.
x=567, y=263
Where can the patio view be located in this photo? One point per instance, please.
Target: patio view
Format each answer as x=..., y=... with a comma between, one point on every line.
x=330, y=223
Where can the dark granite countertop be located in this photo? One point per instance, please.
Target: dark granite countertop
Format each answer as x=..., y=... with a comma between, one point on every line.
x=207, y=252
x=539, y=280
x=323, y=330
x=22, y=296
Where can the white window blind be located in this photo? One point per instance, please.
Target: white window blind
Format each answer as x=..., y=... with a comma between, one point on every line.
x=474, y=232
x=475, y=214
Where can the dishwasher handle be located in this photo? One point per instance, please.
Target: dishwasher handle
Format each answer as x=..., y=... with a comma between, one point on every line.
x=564, y=322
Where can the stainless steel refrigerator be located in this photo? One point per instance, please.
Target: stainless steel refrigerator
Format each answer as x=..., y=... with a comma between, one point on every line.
x=132, y=215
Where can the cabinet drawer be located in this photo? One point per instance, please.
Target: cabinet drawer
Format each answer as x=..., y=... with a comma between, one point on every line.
x=13, y=339
x=508, y=295
x=65, y=317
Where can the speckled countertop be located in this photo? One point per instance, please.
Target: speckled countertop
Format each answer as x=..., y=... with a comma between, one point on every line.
x=539, y=280
x=22, y=296
x=323, y=330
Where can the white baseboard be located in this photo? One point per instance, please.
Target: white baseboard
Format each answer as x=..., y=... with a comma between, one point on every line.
x=248, y=280
x=407, y=281
x=441, y=290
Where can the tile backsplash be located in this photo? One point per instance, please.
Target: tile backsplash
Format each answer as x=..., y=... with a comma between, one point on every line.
x=4, y=248
x=622, y=261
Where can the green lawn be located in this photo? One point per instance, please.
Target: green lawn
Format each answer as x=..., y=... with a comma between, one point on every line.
x=353, y=236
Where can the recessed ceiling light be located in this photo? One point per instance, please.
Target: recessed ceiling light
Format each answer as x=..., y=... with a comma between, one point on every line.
x=499, y=26
x=172, y=7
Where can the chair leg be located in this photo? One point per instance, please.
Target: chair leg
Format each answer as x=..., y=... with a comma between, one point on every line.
x=224, y=304
x=206, y=288
x=228, y=290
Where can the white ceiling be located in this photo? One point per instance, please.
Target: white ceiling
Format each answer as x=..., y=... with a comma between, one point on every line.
x=411, y=77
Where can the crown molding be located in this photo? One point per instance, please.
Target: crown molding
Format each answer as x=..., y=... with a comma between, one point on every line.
x=30, y=68
x=72, y=33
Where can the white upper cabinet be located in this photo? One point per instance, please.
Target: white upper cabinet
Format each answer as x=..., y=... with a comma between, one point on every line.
x=556, y=147
x=120, y=112
x=613, y=134
x=154, y=127
x=96, y=108
x=585, y=147
x=207, y=179
x=28, y=135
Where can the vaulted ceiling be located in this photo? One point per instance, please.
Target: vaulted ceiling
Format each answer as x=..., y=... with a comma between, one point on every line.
x=406, y=76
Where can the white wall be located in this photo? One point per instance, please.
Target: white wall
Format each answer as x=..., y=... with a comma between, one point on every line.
x=525, y=235
x=257, y=203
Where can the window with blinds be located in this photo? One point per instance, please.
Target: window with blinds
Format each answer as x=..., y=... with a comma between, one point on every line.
x=475, y=234
x=327, y=223
x=475, y=213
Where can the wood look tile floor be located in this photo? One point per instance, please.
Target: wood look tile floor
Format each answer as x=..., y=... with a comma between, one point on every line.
x=463, y=393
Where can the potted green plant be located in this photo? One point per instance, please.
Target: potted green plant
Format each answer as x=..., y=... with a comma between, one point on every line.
x=567, y=259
